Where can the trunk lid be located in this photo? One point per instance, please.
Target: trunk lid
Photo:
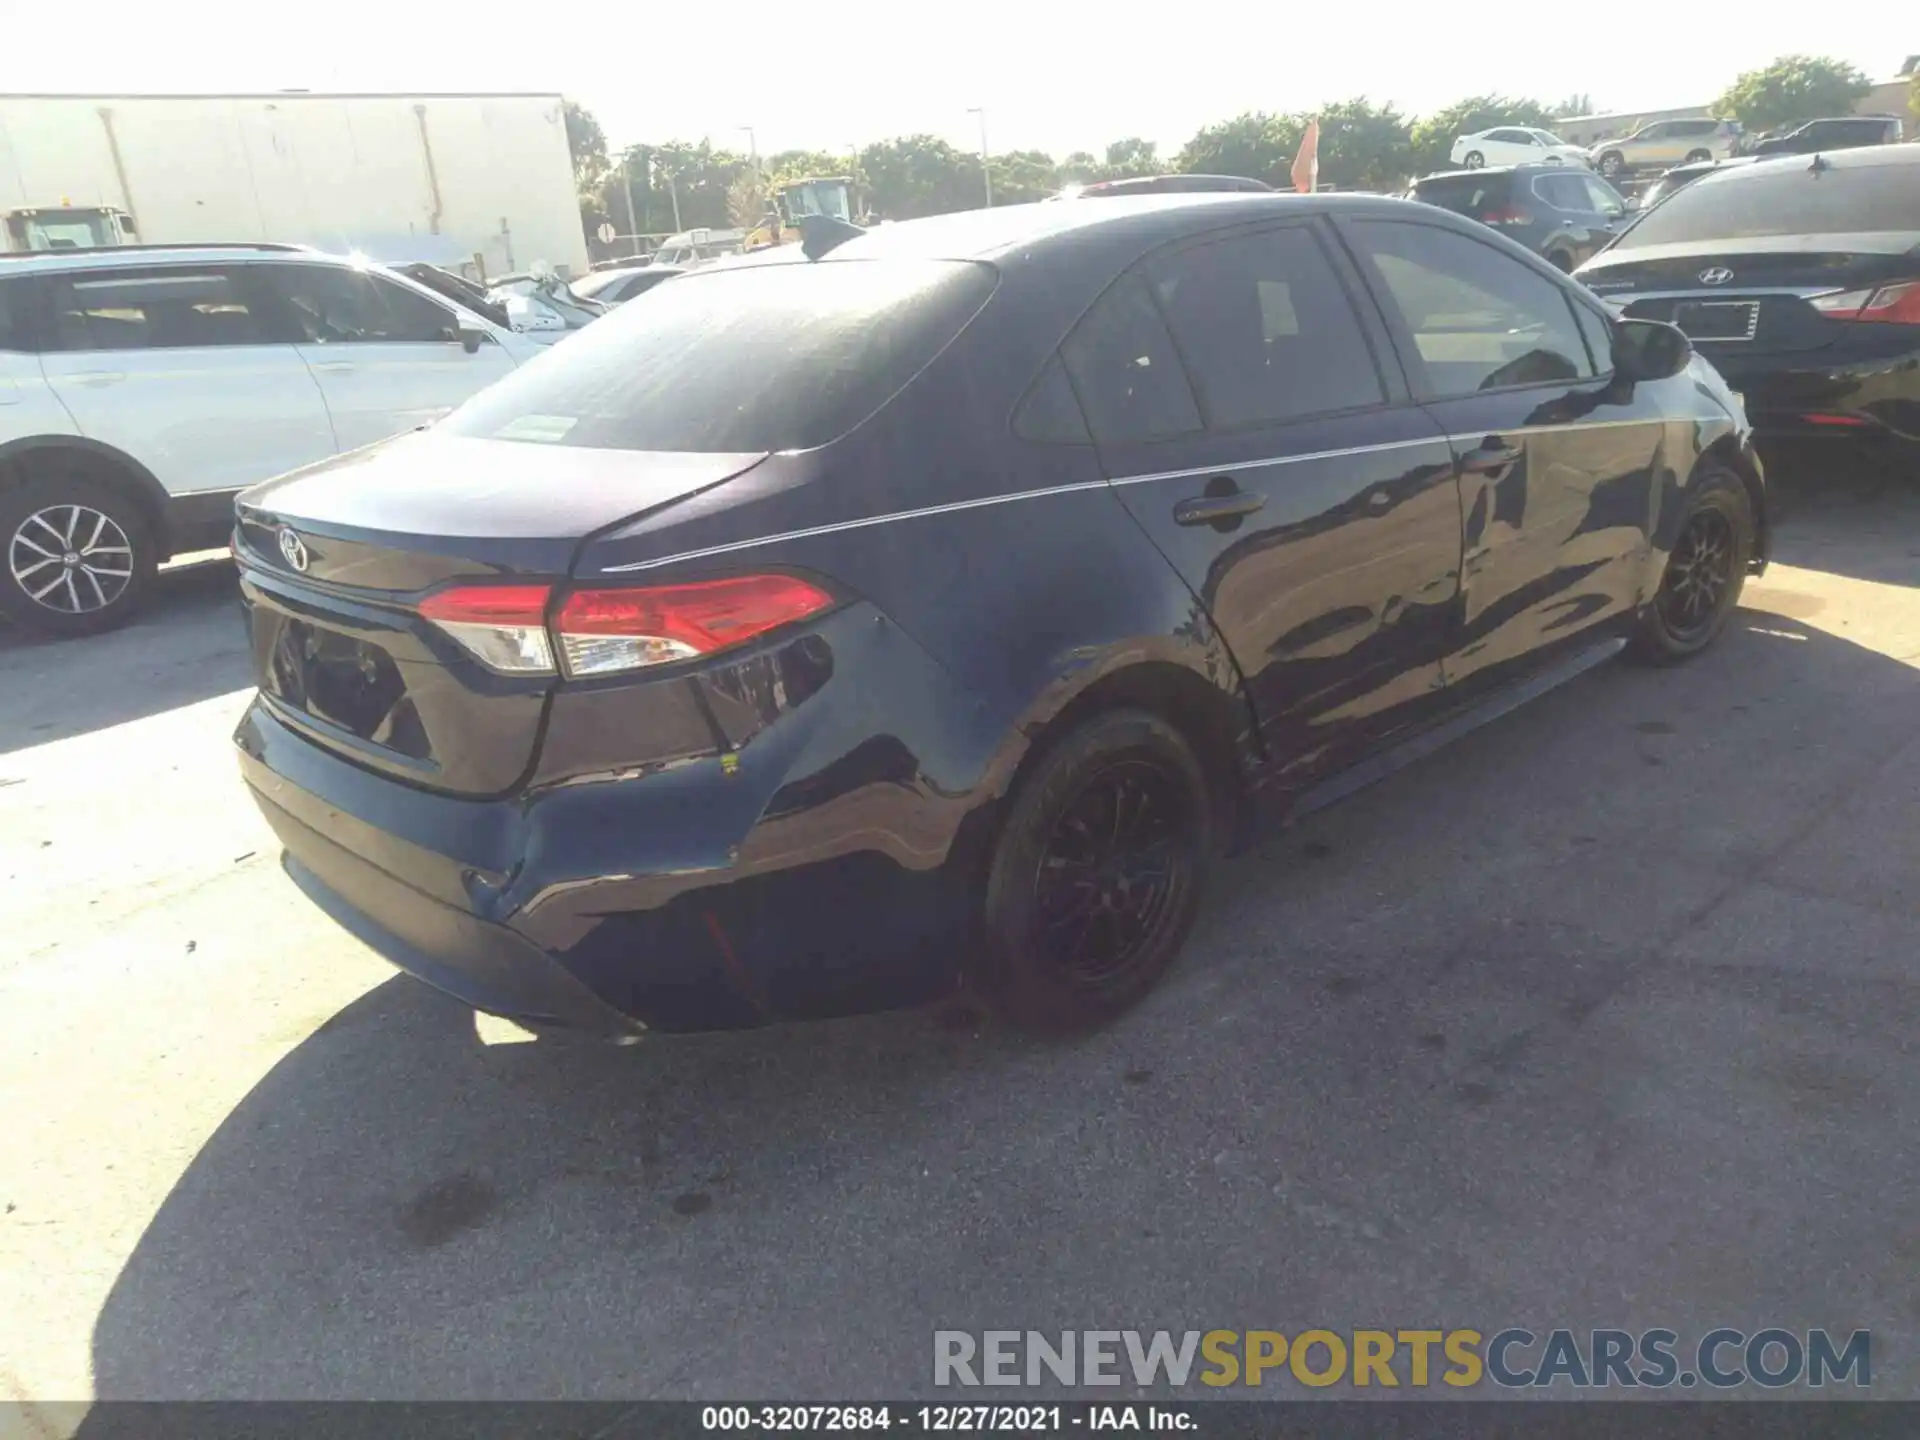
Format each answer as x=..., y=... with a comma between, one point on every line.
x=335, y=559
x=1753, y=295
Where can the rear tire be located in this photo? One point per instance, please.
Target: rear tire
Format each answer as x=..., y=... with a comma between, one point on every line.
x=1695, y=157
x=48, y=518
x=1475, y=160
x=1096, y=877
x=1612, y=163
x=1705, y=572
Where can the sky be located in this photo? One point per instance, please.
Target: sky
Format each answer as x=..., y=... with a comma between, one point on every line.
x=843, y=74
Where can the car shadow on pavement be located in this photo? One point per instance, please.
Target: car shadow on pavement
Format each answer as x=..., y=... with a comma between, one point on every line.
x=189, y=645
x=1513, y=1034
x=1836, y=513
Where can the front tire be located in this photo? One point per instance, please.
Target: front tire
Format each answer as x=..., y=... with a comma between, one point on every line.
x=1696, y=157
x=76, y=556
x=1475, y=160
x=1705, y=573
x=1096, y=878
x=1612, y=163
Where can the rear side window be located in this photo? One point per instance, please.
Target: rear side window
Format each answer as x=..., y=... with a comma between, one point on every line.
x=1784, y=197
x=13, y=318
x=760, y=357
x=153, y=310
x=1474, y=196
x=1563, y=192
x=1126, y=371
x=1265, y=328
x=1480, y=319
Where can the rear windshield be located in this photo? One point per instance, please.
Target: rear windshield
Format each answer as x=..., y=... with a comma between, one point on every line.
x=773, y=357
x=1473, y=195
x=1784, y=197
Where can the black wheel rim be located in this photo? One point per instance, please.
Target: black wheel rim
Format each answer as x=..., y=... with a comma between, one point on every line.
x=1699, y=575
x=1115, y=874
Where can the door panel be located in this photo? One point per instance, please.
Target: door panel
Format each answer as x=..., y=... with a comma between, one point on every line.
x=1308, y=504
x=174, y=366
x=1560, y=461
x=386, y=358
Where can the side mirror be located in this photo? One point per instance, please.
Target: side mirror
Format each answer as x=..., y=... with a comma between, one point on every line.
x=1649, y=350
x=472, y=335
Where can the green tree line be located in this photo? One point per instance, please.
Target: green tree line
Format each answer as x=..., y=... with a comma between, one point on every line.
x=682, y=184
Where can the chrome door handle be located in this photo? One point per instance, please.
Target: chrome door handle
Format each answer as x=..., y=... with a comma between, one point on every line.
x=1213, y=509
x=1488, y=458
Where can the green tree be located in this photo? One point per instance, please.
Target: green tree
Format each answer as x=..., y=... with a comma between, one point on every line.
x=1080, y=168
x=1023, y=176
x=587, y=144
x=1793, y=89
x=917, y=175
x=1433, y=135
x=1130, y=157
x=1363, y=146
x=1579, y=103
x=1258, y=145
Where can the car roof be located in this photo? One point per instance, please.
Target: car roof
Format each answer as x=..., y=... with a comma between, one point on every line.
x=119, y=257
x=1870, y=157
x=1011, y=233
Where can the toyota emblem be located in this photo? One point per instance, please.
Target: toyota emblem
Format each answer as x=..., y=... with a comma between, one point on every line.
x=293, y=550
x=1715, y=275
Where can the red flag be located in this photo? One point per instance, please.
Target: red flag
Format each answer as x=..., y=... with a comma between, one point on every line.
x=1306, y=165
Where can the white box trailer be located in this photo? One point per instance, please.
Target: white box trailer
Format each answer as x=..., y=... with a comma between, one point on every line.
x=441, y=178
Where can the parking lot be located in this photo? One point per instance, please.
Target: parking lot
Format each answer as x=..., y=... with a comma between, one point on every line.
x=1604, y=1016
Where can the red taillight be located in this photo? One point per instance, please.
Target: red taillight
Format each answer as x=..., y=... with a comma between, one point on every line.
x=1888, y=305
x=608, y=630
x=505, y=626
x=603, y=631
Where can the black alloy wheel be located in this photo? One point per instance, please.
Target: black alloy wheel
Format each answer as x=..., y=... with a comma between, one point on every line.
x=1096, y=877
x=1706, y=569
x=1111, y=873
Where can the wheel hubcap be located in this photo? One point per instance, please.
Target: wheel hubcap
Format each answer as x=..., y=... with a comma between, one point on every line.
x=1699, y=574
x=1114, y=871
x=71, y=559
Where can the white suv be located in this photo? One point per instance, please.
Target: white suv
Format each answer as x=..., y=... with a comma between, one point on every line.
x=142, y=387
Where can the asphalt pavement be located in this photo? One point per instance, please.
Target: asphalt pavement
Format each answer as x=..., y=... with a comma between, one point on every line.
x=1603, y=1016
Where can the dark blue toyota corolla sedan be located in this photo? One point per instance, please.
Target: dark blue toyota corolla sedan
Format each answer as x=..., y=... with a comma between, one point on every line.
x=824, y=635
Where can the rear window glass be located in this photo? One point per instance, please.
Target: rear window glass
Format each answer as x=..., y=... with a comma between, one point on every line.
x=1784, y=197
x=774, y=357
x=1474, y=196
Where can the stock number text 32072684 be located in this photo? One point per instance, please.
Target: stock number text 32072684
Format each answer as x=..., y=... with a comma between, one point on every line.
x=932, y=1419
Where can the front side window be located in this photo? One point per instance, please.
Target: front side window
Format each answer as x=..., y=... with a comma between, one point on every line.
x=336, y=305
x=153, y=310
x=1480, y=320
x=1563, y=192
x=1601, y=196
x=1126, y=371
x=1265, y=328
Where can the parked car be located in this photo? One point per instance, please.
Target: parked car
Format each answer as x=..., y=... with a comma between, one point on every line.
x=1515, y=145
x=691, y=248
x=1561, y=213
x=1162, y=185
x=1679, y=177
x=1800, y=280
x=142, y=388
x=1665, y=143
x=616, y=287
x=1848, y=132
x=819, y=635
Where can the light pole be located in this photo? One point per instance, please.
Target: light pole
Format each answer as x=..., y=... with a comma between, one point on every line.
x=986, y=174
